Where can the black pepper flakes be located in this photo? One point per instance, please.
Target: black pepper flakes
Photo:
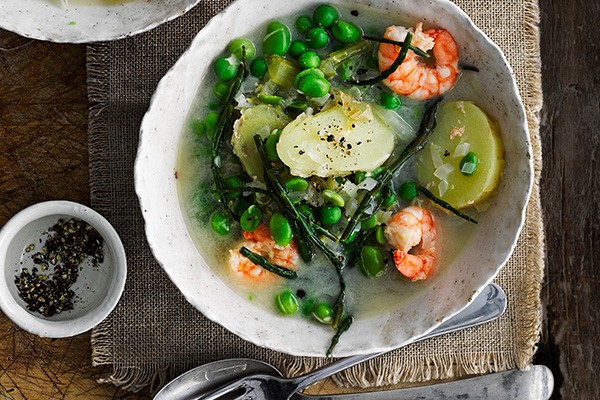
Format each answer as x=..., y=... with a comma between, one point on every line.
x=69, y=244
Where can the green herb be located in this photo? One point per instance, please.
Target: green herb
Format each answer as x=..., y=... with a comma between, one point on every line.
x=445, y=205
x=266, y=264
x=392, y=68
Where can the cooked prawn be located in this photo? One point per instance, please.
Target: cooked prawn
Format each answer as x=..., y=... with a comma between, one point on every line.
x=411, y=231
x=414, y=77
x=260, y=241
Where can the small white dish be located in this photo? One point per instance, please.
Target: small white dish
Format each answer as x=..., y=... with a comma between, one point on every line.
x=97, y=289
x=92, y=22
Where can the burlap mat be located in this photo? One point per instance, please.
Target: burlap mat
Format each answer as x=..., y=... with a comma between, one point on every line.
x=154, y=334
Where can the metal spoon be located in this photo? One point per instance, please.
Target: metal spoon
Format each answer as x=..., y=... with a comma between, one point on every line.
x=536, y=383
x=247, y=376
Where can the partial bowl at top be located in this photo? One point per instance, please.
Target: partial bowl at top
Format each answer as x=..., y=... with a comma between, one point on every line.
x=438, y=298
x=97, y=289
x=84, y=21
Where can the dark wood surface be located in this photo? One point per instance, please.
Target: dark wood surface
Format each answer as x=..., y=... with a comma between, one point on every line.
x=43, y=156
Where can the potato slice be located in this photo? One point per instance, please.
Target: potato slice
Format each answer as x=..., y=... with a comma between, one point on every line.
x=346, y=137
x=261, y=119
x=462, y=127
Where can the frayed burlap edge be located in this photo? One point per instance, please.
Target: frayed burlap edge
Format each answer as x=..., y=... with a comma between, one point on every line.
x=417, y=369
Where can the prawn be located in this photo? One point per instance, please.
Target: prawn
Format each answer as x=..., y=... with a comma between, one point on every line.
x=414, y=78
x=260, y=241
x=411, y=231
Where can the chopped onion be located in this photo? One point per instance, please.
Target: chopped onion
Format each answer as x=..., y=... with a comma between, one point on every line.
x=468, y=168
x=368, y=184
x=351, y=206
x=436, y=156
x=461, y=150
x=242, y=101
x=443, y=187
x=350, y=189
x=443, y=171
x=404, y=133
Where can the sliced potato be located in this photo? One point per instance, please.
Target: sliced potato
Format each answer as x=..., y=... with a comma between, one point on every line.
x=462, y=127
x=345, y=138
x=261, y=119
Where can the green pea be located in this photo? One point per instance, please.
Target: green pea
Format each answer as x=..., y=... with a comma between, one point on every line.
x=306, y=210
x=389, y=200
x=317, y=38
x=313, y=86
x=233, y=182
x=323, y=313
x=297, y=48
x=198, y=127
x=269, y=98
x=224, y=69
x=333, y=198
x=220, y=90
x=296, y=184
x=251, y=218
x=304, y=73
x=286, y=302
x=469, y=163
x=309, y=59
x=258, y=67
x=210, y=122
x=408, y=191
x=359, y=177
x=380, y=235
x=278, y=39
x=308, y=304
x=369, y=223
x=346, y=32
x=241, y=47
x=329, y=215
x=280, y=229
x=372, y=262
x=325, y=15
x=389, y=100
x=220, y=222
x=303, y=23
x=271, y=145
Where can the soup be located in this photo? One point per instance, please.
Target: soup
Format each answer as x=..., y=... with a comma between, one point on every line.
x=326, y=182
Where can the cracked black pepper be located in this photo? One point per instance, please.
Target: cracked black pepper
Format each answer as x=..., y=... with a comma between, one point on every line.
x=68, y=245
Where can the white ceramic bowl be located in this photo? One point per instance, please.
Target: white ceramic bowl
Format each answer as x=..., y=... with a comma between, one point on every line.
x=97, y=289
x=441, y=297
x=48, y=20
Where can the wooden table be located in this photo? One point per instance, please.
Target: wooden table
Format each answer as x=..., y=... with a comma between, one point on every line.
x=43, y=156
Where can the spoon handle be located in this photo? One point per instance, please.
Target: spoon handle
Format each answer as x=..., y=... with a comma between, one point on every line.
x=488, y=305
x=535, y=383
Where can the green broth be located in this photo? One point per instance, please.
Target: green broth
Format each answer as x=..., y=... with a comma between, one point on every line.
x=318, y=279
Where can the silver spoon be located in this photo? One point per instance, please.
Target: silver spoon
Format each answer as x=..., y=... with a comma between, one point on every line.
x=204, y=379
x=535, y=383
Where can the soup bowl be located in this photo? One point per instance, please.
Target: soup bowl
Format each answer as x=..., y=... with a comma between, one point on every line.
x=438, y=298
x=83, y=21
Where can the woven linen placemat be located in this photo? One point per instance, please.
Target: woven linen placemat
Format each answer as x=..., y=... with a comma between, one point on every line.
x=154, y=334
